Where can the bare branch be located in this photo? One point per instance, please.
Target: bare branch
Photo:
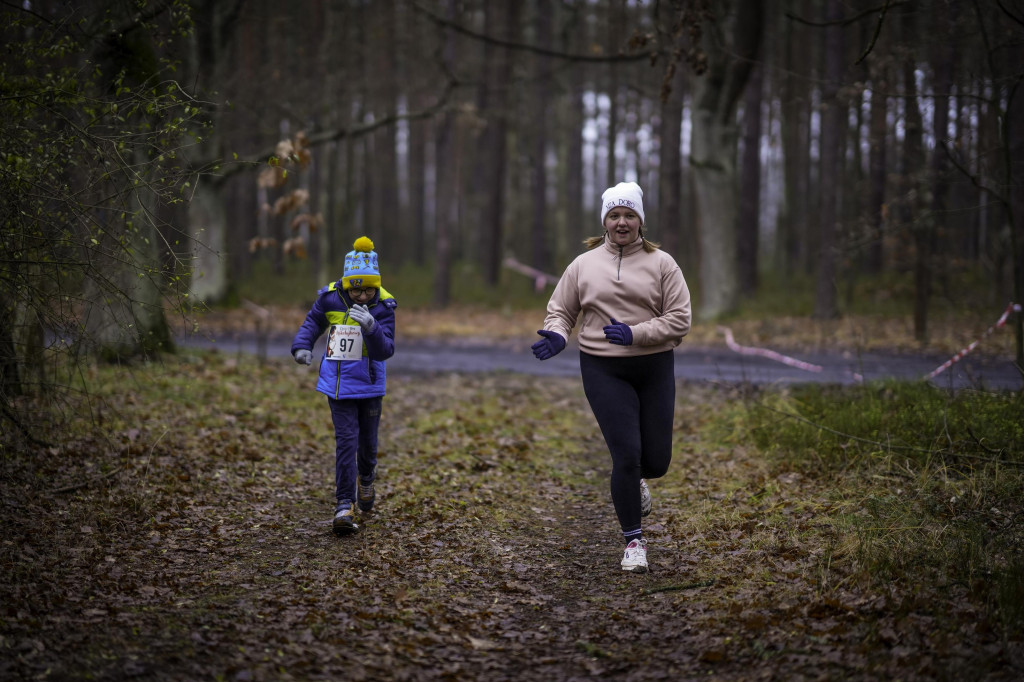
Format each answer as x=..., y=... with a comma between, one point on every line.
x=345, y=133
x=523, y=47
x=971, y=176
x=1007, y=12
x=20, y=7
x=851, y=20
x=874, y=38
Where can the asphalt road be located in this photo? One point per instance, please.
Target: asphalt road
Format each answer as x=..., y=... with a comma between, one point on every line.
x=719, y=365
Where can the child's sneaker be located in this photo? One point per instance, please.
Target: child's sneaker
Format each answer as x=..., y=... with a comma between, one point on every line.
x=645, y=498
x=345, y=522
x=635, y=559
x=366, y=495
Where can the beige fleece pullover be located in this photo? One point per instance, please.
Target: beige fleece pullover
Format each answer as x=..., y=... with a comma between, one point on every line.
x=645, y=290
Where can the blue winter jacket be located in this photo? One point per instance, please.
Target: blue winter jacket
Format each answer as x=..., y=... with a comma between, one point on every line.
x=364, y=378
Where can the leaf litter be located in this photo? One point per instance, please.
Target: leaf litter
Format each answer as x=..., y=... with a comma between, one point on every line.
x=189, y=538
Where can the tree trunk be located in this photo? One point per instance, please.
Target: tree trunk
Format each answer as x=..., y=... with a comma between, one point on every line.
x=832, y=128
x=447, y=177
x=616, y=20
x=795, y=105
x=750, y=186
x=1014, y=129
x=125, y=307
x=936, y=222
x=577, y=217
x=540, y=234
x=670, y=165
x=207, y=220
x=384, y=218
x=735, y=38
x=493, y=161
x=913, y=160
x=418, y=189
x=877, y=130
x=10, y=378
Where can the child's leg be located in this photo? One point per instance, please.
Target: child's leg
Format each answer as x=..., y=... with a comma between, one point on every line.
x=369, y=422
x=345, y=414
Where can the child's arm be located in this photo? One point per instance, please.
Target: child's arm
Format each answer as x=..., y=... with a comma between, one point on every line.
x=380, y=342
x=312, y=327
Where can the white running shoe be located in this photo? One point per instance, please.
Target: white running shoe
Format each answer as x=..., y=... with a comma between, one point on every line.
x=635, y=559
x=645, y=498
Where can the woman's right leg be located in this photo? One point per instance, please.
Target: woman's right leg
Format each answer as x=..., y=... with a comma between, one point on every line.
x=616, y=407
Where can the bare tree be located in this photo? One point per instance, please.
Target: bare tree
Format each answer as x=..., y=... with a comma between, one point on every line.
x=877, y=169
x=447, y=195
x=540, y=236
x=493, y=161
x=732, y=40
x=832, y=127
x=750, y=186
x=90, y=132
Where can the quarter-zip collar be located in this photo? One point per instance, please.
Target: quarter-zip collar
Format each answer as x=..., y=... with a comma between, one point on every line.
x=621, y=252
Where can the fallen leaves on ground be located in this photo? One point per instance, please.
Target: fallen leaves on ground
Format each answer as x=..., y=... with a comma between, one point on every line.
x=189, y=538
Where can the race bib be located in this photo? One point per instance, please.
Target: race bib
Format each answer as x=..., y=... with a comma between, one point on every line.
x=344, y=343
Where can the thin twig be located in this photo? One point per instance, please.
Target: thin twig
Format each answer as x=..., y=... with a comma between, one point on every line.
x=843, y=22
x=874, y=38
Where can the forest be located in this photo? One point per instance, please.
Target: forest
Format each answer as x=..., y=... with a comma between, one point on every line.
x=862, y=151
x=832, y=176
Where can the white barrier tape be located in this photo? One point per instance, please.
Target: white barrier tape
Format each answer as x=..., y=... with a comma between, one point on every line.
x=1012, y=308
x=772, y=355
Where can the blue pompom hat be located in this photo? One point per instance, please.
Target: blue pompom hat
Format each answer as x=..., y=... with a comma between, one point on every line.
x=361, y=269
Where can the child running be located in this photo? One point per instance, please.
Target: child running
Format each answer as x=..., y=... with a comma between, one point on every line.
x=360, y=317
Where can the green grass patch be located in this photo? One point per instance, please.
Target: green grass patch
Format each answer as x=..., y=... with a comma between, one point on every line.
x=914, y=422
x=931, y=483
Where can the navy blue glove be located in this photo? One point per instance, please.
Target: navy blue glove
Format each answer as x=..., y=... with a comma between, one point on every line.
x=548, y=347
x=618, y=333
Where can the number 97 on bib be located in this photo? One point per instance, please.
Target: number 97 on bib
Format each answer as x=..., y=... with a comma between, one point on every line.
x=344, y=343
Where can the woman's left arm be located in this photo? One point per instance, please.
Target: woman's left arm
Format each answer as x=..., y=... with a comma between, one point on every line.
x=674, y=321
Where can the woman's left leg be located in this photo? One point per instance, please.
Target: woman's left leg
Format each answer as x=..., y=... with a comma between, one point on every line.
x=657, y=395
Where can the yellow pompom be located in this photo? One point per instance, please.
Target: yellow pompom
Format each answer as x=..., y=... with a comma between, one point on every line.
x=363, y=244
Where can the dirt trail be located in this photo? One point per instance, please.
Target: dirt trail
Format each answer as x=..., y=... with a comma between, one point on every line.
x=202, y=549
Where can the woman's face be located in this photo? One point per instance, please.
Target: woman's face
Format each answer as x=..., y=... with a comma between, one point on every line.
x=622, y=225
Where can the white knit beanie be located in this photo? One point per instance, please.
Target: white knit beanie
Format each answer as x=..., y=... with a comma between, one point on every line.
x=626, y=194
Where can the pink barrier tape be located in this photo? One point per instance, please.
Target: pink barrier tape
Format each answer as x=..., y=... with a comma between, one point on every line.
x=765, y=353
x=778, y=357
x=1012, y=308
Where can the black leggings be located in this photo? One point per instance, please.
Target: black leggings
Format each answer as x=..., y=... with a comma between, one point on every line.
x=633, y=399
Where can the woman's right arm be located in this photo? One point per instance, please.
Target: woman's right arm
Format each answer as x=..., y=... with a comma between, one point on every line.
x=564, y=304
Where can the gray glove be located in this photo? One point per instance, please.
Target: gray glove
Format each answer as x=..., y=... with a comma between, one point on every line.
x=304, y=357
x=361, y=314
